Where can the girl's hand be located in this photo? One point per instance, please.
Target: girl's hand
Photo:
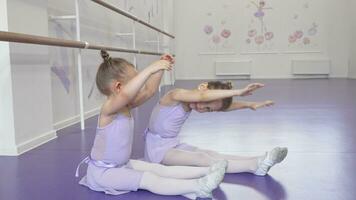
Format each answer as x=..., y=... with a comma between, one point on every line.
x=168, y=57
x=250, y=88
x=159, y=65
x=255, y=106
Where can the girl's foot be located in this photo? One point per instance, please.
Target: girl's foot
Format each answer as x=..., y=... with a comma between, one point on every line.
x=273, y=157
x=210, y=182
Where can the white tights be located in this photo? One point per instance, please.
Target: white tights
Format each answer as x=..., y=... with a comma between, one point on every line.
x=179, y=172
x=169, y=180
x=203, y=158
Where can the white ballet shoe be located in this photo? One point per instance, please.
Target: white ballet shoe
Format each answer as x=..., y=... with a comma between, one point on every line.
x=203, y=194
x=210, y=182
x=273, y=157
x=222, y=164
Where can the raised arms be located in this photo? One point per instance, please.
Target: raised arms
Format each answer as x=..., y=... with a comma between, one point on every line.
x=183, y=95
x=151, y=86
x=130, y=90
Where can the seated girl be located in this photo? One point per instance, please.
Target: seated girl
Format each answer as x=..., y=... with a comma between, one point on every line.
x=173, y=109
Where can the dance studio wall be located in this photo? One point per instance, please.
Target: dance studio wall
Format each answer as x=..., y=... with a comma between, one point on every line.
x=44, y=79
x=30, y=75
x=7, y=131
x=229, y=30
x=352, y=67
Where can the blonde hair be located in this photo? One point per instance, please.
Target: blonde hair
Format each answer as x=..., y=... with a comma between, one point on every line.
x=110, y=69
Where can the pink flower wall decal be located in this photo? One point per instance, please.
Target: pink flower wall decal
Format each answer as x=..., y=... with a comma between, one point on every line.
x=259, y=39
x=269, y=35
x=298, y=34
x=225, y=33
x=208, y=29
x=216, y=39
x=306, y=41
x=292, y=39
x=252, y=33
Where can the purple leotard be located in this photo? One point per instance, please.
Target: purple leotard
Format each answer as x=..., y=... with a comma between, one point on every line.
x=163, y=129
x=108, y=169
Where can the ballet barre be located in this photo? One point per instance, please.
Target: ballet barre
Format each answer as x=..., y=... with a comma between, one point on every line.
x=133, y=17
x=6, y=36
x=136, y=20
x=41, y=40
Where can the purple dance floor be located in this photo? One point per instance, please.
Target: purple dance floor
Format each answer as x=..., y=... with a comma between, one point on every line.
x=315, y=119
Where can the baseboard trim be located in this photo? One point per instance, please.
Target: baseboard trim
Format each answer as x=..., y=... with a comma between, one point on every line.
x=73, y=120
x=29, y=145
x=46, y=137
x=11, y=151
x=35, y=142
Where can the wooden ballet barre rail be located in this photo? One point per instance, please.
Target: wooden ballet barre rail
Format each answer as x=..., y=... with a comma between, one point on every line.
x=41, y=40
x=133, y=17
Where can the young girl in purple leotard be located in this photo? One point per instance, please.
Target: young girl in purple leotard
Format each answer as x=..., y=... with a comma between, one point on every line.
x=169, y=115
x=110, y=169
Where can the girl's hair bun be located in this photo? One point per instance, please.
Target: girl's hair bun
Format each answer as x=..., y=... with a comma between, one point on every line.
x=105, y=55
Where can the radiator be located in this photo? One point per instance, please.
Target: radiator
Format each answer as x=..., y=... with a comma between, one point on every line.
x=311, y=67
x=233, y=68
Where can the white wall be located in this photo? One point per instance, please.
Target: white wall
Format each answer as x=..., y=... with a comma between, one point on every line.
x=30, y=76
x=191, y=16
x=352, y=67
x=42, y=102
x=338, y=37
x=168, y=43
x=7, y=127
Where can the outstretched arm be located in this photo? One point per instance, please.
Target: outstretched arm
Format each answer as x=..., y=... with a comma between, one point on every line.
x=237, y=105
x=183, y=95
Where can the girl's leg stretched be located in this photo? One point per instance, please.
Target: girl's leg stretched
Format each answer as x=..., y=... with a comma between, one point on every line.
x=227, y=156
x=258, y=165
x=203, y=159
x=236, y=164
x=168, y=186
x=190, y=188
x=179, y=172
x=187, y=158
x=126, y=178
